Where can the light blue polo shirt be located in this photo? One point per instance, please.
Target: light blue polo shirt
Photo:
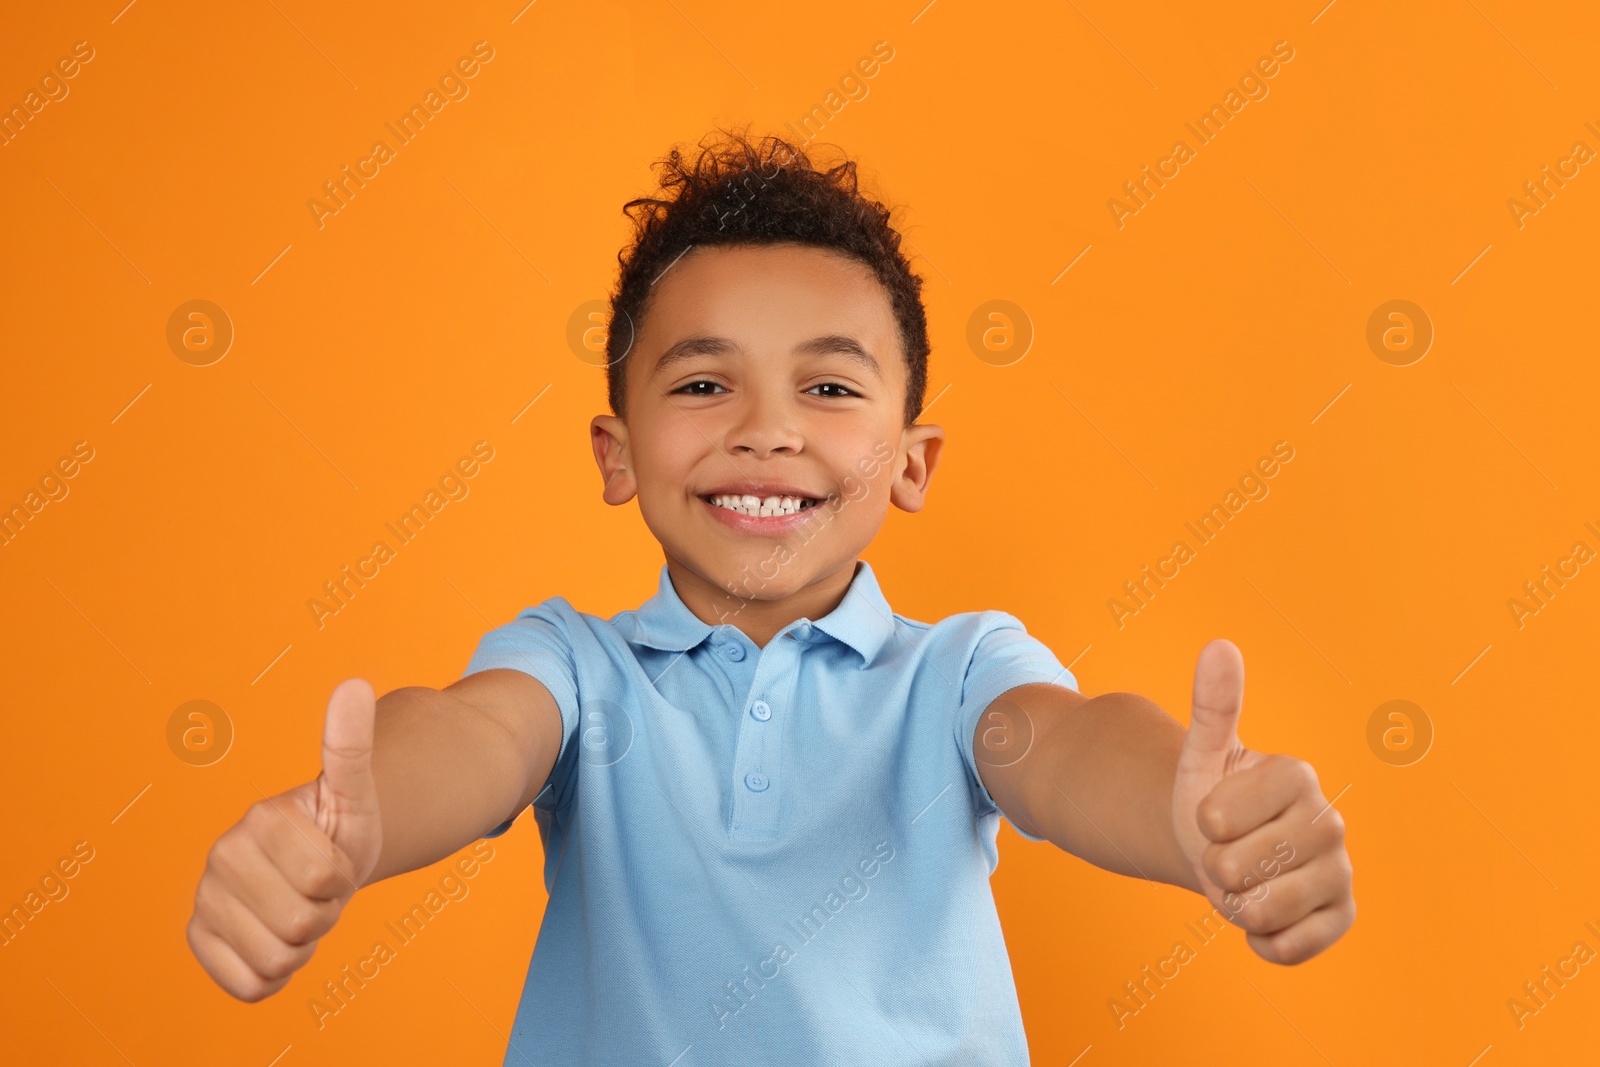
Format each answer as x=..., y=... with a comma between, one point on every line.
x=768, y=856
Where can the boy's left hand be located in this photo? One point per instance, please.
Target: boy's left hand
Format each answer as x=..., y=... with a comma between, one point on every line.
x=1265, y=844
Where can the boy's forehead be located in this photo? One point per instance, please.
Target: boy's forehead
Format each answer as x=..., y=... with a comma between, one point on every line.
x=769, y=295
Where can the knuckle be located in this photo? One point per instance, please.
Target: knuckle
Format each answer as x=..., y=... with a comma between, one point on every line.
x=197, y=944
x=300, y=924
x=1255, y=919
x=319, y=876
x=277, y=961
x=206, y=901
x=256, y=819
x=1211, y=859
x=1289, y=949
x=250, y=988
x=1231, y=870
x=1210, y=817
x=1306, y=773
x=223, y=859
x=1335, y=820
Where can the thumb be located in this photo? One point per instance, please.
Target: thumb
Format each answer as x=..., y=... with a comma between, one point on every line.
x=347, y=783
x=1213, y=741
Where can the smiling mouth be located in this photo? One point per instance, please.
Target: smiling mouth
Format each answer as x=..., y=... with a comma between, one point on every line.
x=761, y=507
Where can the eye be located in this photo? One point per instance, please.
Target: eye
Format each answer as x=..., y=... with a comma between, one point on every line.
x=843, y=391
x=693, y=388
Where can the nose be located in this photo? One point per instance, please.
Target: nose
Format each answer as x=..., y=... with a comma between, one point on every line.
x=764, y=425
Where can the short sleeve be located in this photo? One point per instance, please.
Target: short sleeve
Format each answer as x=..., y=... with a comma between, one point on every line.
x=1005, y=656
x=536, y=643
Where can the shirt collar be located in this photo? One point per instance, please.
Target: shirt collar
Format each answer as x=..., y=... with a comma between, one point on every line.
x=863, y=620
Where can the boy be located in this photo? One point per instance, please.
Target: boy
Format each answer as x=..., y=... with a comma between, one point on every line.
x=769, y=805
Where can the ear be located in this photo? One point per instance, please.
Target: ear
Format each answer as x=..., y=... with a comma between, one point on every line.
x=920, y=445
x=609, y=437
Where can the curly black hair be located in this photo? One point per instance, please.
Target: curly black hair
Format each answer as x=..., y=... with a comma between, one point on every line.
x=741, y=192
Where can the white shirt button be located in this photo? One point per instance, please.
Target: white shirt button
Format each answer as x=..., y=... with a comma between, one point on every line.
x=761, y=710
x=756, y=781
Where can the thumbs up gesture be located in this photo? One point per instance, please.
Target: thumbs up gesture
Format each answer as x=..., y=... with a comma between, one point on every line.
x=1265, y=845
x=278, y=879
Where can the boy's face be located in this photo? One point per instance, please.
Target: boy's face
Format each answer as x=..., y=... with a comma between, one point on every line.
x=766, y=371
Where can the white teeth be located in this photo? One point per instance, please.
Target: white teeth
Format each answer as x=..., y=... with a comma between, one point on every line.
x=758, y=506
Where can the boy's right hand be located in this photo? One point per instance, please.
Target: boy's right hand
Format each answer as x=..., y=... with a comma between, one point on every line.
x=278, y=879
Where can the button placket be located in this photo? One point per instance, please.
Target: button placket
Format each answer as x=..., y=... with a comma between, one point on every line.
x=758, y=752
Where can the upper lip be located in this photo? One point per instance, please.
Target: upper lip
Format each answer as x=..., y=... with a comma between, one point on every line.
x=762, y=490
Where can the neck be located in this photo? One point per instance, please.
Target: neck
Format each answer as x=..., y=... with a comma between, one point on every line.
x=759, y=620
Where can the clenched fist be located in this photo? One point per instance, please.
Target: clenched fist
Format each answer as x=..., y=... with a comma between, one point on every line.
x=1265, y=844
x=278, y=879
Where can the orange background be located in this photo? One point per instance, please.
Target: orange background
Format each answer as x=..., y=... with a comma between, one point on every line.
x=1223, y=317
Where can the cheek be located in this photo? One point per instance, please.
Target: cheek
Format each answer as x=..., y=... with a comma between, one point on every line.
x=664, y=452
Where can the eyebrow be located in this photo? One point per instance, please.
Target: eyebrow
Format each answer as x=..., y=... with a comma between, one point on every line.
x=828, y=344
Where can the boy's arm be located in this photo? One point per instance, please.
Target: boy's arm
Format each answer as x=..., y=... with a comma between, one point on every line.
x=1095, y=780
x=452, y=764
x=1116, y=781
x=406, y=781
